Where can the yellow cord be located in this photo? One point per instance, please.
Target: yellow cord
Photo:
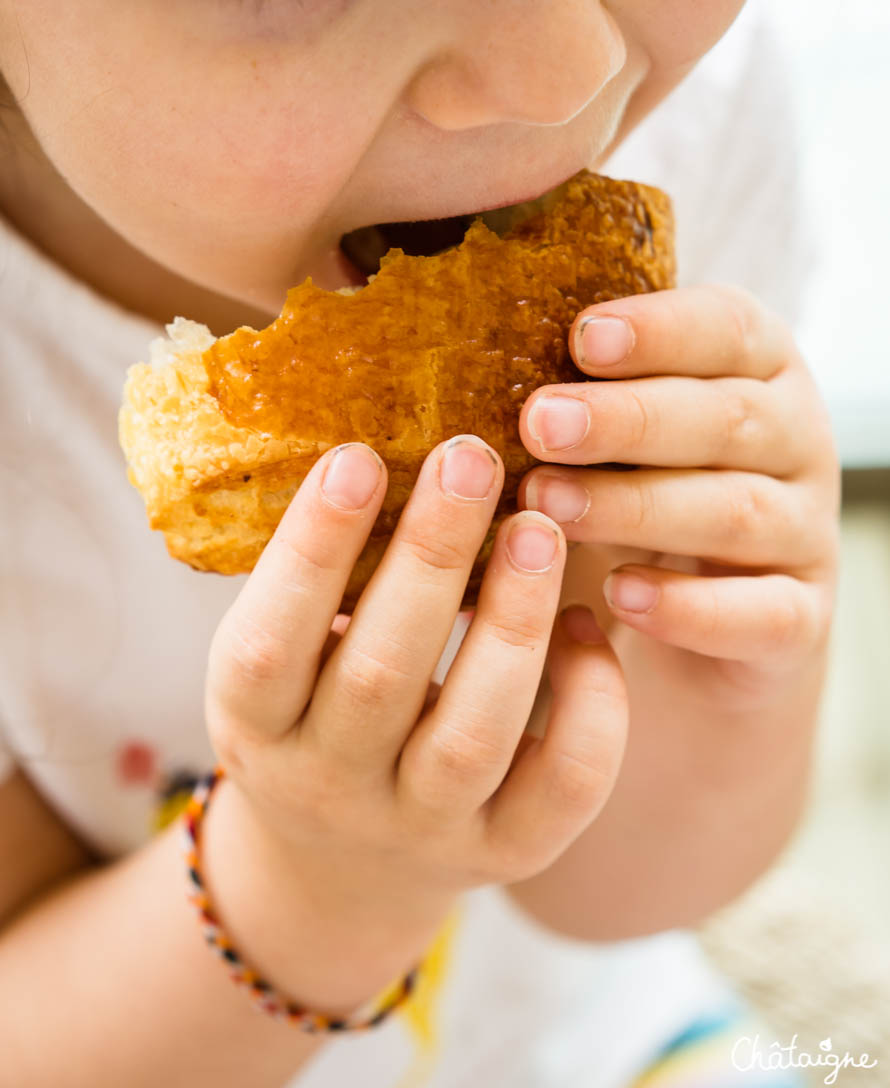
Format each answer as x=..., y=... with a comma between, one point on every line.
x=168, y=809
x=421, y=1010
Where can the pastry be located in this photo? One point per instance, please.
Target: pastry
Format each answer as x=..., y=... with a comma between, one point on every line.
x=218, y=433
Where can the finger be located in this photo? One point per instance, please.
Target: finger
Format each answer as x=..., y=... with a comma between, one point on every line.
x=266, y=650
x=704, y=332
x=726, y=516
x=457, y=755
x=672, y=422
x=371, y=690
x=341, y=622
x=772, y=620
x=562, y=780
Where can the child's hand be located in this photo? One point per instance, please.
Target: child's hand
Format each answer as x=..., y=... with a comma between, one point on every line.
x=385, y=804
x=730, y=523
x=738, y=476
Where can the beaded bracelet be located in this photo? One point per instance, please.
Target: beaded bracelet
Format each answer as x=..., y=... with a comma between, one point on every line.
x=264, y=995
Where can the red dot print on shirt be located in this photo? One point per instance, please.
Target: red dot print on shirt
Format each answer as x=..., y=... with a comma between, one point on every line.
x=136, y=764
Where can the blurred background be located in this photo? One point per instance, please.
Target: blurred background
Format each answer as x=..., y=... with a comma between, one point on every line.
x=839, y=54
x=810, y=942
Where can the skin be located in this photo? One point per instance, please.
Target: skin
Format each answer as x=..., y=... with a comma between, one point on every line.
x=210, y=196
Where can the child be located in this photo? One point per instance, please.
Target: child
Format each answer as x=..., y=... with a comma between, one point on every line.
x=199, y=159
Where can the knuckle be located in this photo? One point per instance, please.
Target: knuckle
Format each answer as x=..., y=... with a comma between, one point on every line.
x=310, y=565
x=800, y=620
x=367, y=679
x=462, y=755
x=787, y=624
x=742, y=429
x=436, y=550
x=516, y=630
x=256, y=655
x=745, y=512
x=577, y=784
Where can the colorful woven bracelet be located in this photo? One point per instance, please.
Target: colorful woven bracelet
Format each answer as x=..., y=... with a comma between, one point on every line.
x=265, y=996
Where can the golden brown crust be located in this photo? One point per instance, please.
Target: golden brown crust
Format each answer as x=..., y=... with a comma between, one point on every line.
x=218, y=434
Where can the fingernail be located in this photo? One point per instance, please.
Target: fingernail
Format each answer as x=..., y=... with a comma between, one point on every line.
x=531, y=545
x=580, y=624
x=603, y=341
x=351, y=477
x=558, y=498
x=558, y=423
x=630, y=592
x=468, y=468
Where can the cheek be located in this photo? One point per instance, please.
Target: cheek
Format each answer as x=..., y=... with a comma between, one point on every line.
x=216, y=161
x=222, y=157
x=197, y=191
x=217, y=153
x=676, y=33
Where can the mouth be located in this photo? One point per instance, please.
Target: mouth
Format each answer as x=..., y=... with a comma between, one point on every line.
x=422, y=238
x=364, y=247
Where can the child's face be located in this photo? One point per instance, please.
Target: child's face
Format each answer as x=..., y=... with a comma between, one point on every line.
x=236, y=141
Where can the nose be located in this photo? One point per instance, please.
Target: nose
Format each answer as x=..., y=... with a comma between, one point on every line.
x=537, y=62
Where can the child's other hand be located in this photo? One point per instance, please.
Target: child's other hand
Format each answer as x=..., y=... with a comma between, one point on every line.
x=386, y=801
x=737, y=489
x=715, y=561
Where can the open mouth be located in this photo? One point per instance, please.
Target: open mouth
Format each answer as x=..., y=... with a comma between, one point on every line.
x=365, y=246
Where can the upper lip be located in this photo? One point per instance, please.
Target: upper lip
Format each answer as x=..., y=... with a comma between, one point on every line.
x=504, y=202
x=523, y=198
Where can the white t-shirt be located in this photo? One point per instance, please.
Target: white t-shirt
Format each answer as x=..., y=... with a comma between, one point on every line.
x=104, y=637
